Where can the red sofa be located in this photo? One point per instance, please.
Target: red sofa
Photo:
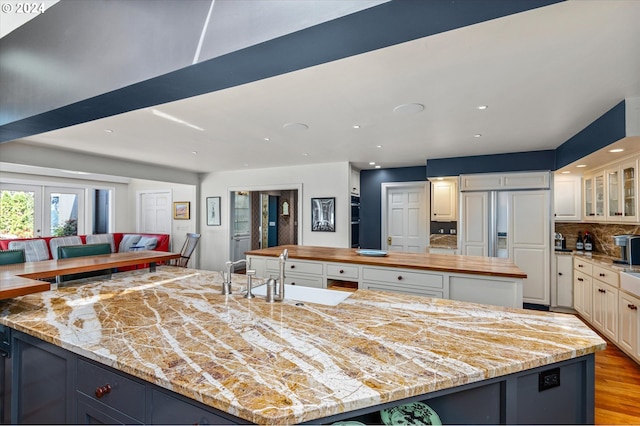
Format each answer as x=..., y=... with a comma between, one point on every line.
x=163, y=241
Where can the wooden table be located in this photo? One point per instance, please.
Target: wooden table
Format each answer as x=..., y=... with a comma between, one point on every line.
x=23, y=278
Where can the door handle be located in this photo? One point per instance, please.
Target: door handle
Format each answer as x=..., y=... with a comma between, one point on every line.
x=389, y=240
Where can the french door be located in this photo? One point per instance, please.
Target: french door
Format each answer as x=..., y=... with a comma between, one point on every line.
x=29, y=211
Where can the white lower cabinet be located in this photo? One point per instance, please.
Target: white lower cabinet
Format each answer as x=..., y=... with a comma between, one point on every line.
x=499, y=291
x=601, y=302
x=629, y=331
x=582, y=294
x=605, y=309
x=563, y=281
x=403, y=281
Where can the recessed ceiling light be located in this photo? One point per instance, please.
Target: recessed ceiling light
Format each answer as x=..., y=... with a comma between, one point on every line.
x=439, y=178
x=295, y=126
x=566, y=172
x=108, y=131
x=267, y=139
x=482, y=107
x=616, y=150
x=378, y=146
x=377, y=167
x=372, y=163
x=356, y=126
x=194, y=152
x=408, y=109
x=477, y=135
x=305, y=154
x=580, y=166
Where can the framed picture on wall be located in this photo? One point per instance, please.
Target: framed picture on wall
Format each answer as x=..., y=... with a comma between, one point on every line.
x=181, y=210
x=213, y=211
x=323, y=214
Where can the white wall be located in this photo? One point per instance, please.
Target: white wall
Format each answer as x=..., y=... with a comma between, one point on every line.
x=321, y=180
x=179, y=192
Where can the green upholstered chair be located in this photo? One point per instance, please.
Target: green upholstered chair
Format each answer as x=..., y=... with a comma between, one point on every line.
x=68, y=252
x=8, y=257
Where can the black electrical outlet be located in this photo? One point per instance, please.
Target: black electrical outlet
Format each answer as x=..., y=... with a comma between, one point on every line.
x=548, y=379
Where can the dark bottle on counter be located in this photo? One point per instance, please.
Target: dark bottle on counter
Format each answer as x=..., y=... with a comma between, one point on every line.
x=588, y=242
x=579, y=242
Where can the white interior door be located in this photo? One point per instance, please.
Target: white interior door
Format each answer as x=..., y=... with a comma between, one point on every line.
x=529, y=241
x=154, y=212
x=407, y=211
x=474, y=224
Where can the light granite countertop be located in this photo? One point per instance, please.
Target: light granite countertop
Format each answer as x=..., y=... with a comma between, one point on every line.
x=276, y=363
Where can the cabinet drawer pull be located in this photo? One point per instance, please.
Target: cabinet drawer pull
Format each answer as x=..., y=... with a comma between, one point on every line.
x=342, y=271
x=632, y=307
x=103, y=390
x=580, y=266
x=580, y=279
x=293, y=266
x=602, y=291
x=399, y=277
x=293, y=283
x=559, y=273
x=602, y=275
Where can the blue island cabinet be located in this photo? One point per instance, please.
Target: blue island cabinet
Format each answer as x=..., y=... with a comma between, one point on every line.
x=43, y=383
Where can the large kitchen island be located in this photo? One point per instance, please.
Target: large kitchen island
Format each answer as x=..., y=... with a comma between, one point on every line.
x=168, y=347
x=478, y=279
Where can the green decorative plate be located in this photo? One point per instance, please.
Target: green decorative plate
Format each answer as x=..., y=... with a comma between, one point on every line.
x=415, y=413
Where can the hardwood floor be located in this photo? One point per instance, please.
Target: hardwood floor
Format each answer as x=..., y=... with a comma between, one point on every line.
x=617, y=388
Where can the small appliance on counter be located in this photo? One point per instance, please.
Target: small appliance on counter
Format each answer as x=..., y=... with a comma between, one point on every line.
x=561, y=242
x=629, y=249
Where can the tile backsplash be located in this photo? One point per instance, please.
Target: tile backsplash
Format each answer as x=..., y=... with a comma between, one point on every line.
x=602, y=234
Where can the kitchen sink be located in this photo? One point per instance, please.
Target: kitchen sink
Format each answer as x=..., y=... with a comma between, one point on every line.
x=308, y=294
x=630, y=282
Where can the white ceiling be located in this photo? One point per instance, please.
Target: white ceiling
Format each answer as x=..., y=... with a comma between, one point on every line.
x=544, y=75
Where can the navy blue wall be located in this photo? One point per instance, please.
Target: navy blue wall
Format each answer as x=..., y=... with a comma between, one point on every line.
x=371, y=199
x=512, y=162
x=607, y=129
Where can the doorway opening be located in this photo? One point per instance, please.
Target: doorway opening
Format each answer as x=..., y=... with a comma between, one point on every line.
x=263, y=217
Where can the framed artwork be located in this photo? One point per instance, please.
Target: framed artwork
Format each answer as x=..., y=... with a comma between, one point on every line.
x=213, y=211
x=181, y=210
x=323, y=214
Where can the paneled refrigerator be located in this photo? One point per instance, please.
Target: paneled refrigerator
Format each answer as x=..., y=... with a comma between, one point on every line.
x=512, y=224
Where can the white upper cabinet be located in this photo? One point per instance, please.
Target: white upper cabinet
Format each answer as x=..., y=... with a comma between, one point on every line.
x=594, y=196
x=611, y=194
x=621, y=192
x=491, y=181
x=567, y=199
x=444, y=196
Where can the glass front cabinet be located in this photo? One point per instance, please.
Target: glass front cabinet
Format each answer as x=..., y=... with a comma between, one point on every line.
x=622, y=192
x=594, y=196
x=611, y=195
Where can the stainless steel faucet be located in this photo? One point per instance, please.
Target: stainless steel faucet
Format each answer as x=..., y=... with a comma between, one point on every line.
x=280, y=289
x=226, y=285
x=250, y=274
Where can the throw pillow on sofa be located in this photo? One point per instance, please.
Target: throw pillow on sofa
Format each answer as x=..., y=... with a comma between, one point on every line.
x=34, y=250
x=102, y=238
x=149, y=243
x=128, y=241
x=54, y=243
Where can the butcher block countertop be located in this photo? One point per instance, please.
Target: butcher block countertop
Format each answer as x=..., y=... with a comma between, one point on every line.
x=475, y=265
x=19, y=279
x=286, y=362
